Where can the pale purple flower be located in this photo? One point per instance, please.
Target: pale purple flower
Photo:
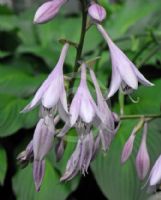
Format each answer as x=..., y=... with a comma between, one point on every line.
x=81, y=157
x=52, y=92
x=128, y=147
x=42, y=143
x=155, y=174
x=97, y=12
x=107, y=125
x=48, y=11
x=124, y=72
x=142, y=159
x=72, y=164
x=82, y=106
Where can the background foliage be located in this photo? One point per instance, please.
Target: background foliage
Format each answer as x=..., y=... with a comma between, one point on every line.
x=29, y=52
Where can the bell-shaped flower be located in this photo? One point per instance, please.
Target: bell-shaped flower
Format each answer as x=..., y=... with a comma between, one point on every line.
x=107, y=125
x=96, y=12
x=155, y=174
x=124, y=72
x=142, y=158
x=52, y=92
x=42, y=143
x=72, y=164
x=48, y=11
x=128, y=147
x=81, y=157
x=82, y=106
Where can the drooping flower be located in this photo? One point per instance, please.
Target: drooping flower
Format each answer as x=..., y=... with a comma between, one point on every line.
x=142, y=158
x=96, y=12
x=107, y=124
x=81, y=157
x=42, y=143
x=48, y=11
x=82, y=106
x=155, y=174
x=124, y=72
x=52, y=92
x=128, y=147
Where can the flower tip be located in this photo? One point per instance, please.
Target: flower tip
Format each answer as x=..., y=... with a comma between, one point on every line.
x=47, y=11
x=25, y=110
x=97, y=12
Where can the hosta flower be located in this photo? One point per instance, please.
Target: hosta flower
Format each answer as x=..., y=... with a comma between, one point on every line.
x=52, y=91
x=48, y=11
x=128, y=147
x=81, y=157
x=82, y=106
x=42, y=143
x=97, y=12
x=142, y=158
x=107, y=124
x=155, y=174
x=124, y=72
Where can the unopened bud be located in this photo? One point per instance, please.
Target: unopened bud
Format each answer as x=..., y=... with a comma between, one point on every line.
x=155, y=174
x=48, y=11
x=97, y=12
x=128, y=147
x=142, y=158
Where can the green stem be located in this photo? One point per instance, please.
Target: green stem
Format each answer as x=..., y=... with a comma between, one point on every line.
x=148, y=116
x=121, y=102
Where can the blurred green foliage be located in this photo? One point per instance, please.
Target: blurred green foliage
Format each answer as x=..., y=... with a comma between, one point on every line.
x=28, y=52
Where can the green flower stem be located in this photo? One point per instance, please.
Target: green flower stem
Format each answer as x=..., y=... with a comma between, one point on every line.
x=121, y=102
x=148, y=117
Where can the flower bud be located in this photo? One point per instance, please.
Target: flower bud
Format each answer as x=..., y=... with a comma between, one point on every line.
x=155, y=174
x=128, y=147
x=97, y=12
x=38, y=173
x=42, y=140
x=142, y=158
x=48, y=11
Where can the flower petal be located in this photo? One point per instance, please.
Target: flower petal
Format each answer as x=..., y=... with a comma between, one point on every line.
x=47, y=11
x=38, y=173
x=74, y=108
x=42, y=140
x=142, y=158
x=141, y=78
x=115, y=82
x=155, y=174
x=87, y=112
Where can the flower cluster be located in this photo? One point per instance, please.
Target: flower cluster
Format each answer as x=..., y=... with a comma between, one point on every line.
x=86, y=114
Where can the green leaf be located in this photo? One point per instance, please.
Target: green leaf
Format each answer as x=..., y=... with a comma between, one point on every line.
x=51, y=187
x=3, y=165
x=129, y=14
x=121, y=182
x=20, y=84
x=10, y=118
